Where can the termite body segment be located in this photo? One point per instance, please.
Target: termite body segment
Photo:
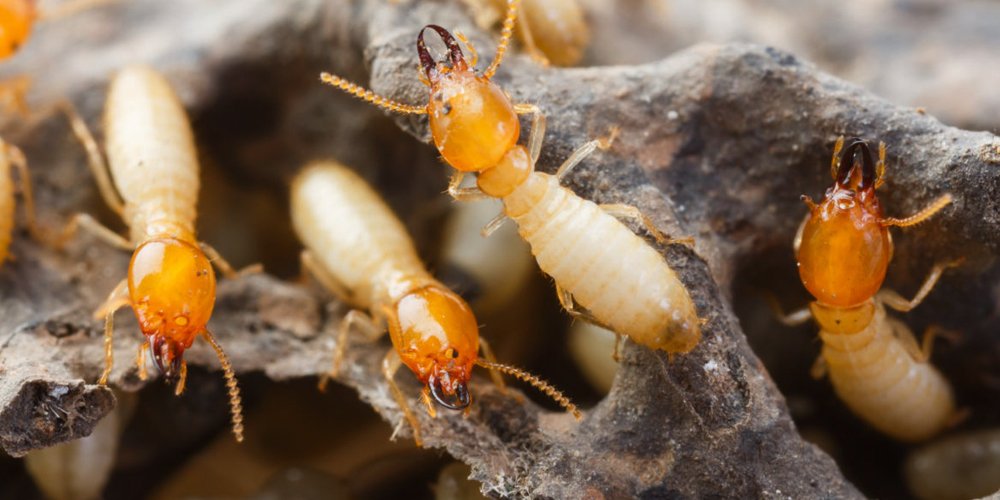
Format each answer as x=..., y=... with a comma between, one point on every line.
x=553, y=31
x=956, y=467
x=873, y=361
x=153, y=167
x=594, y=258
x=359, y=250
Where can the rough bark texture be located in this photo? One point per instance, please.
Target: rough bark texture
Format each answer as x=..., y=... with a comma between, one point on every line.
x=716, y=142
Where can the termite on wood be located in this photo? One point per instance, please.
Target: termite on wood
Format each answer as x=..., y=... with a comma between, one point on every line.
x=151, y=180
x=620, y=281
x=843, y=250
x=358, y=250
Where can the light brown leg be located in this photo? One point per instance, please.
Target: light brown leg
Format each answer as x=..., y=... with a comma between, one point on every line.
x=819, y=368
x=920, y=216
x=372, y=330
x=90, y=225
x=920, y=352
x=390, y=365
x=897, y=302
x=461, y=193
x=182, y=380
x=835, y=159
x=71, y=7
x=616, y=354
x=584, y=151
x=13, y=92
x=140, y=360
x=117, y=299
x=567, y=302
x=312, y=266
x=623, y=211
x=794, y=318
x=537, y=130
x=528, y=39
x=494, y=224
x=224, y=267
x=494, y=374
x=473, y=54
x=95, y=159
x=20, y=163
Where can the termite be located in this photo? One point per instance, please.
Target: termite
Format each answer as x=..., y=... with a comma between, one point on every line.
x=18, y=17
x=552, y=31
x=956, y=467
x=359, y=251
x=11, y=158
x=843, y=250
x=618, y=279
x=151, y=180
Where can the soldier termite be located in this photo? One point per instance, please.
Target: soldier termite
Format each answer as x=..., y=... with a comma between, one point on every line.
x=11, y=158
x=552, y=31
x=359, y=251
x=170, y=285
x=619, y=280
x=843, y=250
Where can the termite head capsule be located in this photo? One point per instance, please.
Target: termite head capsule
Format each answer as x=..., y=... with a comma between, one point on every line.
x=845, y=249
x=437, y=337
x=471, y=119
x=16, y=18
x=171, y=287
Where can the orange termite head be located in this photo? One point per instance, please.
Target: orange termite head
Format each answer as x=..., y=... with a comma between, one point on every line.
x=16, y=19
x=471, y=119
x=437, y=337
x=845, y=249
x=172, y=291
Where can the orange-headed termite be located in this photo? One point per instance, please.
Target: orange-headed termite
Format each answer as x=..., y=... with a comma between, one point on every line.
x=359, y=250
x=843, y=249
x=170, y=285
x=596, y=261
x=11, y=158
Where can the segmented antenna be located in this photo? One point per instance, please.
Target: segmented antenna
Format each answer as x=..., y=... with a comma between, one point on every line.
x=369, y=96
x=235, y=404
x=505, y=34
x=538, y=383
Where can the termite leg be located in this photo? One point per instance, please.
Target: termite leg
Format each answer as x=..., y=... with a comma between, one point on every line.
x=95, y=159
x=20, y=163
x=583, y=151
x=390, y=365
x=224, y=267
x=310, y=265
x=880, y=166
x=368, y=326
x=897, y=302
x=623, y=211
x=513, y=7
x=794, y=318
x=567, y=302
x=140, y=360
x=921, y=352
x=495, y=375
x=116, y=300
x=616, y=354
x=493, y=225
x=537, y=130
x=182, y=379
x=461, y=193
x=835, y=159
x=819, y=368
x=89, y=224
x=920, y=216
x=71, y=7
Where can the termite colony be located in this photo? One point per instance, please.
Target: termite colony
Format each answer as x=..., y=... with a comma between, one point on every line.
x=608, y=264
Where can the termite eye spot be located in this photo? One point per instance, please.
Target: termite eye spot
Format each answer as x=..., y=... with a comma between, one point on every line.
x=447, y=108
x=452, y=353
